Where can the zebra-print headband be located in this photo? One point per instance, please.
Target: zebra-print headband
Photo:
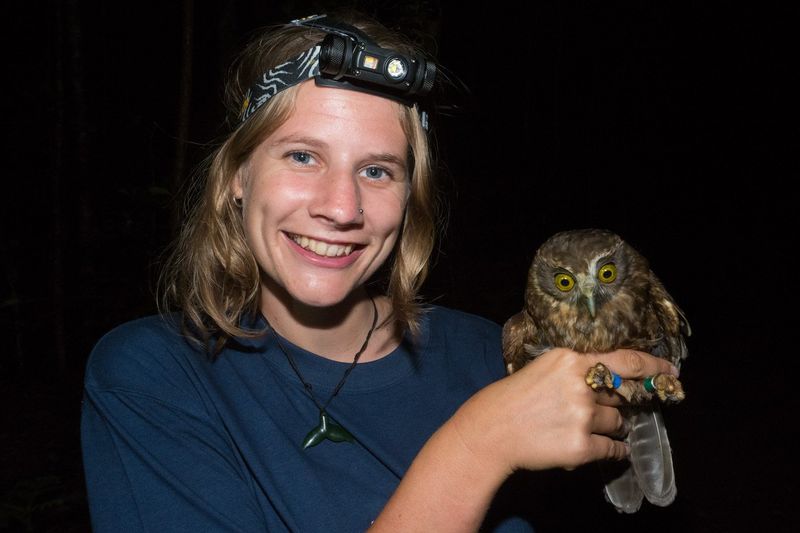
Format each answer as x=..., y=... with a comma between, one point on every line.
x=278, y=78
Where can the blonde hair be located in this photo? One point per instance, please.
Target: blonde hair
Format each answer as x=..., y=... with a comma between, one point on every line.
x=211, y=274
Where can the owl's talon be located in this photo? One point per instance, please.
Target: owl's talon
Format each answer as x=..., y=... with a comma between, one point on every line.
x=600, y=377
x=666, y=386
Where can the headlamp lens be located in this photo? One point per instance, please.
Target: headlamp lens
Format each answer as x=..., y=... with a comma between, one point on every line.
x=396, y=68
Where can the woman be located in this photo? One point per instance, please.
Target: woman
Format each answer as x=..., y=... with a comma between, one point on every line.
x=289, y=392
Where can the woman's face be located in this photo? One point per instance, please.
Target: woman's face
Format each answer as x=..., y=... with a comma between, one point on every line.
x=305, y=185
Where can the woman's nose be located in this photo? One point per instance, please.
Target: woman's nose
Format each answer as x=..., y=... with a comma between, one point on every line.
x=339, y=198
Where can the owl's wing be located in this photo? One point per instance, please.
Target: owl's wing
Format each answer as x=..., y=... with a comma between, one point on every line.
x=674, y=325
x=518, y=331
x=650, y=473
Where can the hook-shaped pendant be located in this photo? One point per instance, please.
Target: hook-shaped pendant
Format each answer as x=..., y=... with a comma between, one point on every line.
x=327, y=429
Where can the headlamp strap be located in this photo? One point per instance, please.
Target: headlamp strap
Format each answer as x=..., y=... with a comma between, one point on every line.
x=280, y=77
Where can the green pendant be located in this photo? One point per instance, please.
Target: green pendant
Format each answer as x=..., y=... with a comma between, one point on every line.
x=327, y=429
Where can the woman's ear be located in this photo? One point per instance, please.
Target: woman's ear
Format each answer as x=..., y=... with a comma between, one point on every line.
x=238, y=183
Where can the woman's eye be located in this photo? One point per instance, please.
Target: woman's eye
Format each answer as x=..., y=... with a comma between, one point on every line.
x=376, y=173
x=304, y=158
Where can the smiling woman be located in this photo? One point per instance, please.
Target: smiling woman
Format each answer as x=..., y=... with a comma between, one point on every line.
x=284, y=392
x=330, y=179
x=212, y=273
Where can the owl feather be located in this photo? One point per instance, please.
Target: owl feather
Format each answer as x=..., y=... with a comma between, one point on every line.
x=590, y=291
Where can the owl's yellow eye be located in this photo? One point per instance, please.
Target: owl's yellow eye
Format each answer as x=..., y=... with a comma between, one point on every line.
x=607, y=273
x=564, y=282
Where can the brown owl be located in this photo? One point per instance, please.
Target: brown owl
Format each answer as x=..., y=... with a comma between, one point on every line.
x=588, y=290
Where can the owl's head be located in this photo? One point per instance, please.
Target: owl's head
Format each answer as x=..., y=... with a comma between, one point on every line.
x=578, y=272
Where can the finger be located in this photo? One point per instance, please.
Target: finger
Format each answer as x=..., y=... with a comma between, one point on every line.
x=632, y=364
x=606, y=448
x=609, y=398
x=609, y=421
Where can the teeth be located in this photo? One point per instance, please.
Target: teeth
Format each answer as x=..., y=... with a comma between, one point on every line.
x=323, y=248
x=319, y=248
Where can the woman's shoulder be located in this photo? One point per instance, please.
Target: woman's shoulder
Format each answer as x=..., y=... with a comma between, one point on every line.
x=138, y=354
x=467, y=341
x=462, y=323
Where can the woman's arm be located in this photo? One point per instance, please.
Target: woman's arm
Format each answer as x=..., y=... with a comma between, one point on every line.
x=543, y=416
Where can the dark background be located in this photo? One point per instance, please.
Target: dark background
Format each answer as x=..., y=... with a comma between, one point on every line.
x=671, y=125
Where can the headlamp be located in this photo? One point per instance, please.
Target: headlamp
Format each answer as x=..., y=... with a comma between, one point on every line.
x=347, y=59
x=350, y=58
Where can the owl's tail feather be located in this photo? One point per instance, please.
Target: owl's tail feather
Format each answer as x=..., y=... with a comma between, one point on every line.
x=622, y=491
x=650, y=473
x=651, y=456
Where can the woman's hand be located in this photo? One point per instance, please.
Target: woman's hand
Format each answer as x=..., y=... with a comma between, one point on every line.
x=545, y=416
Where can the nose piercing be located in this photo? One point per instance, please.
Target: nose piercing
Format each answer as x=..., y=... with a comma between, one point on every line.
x=360, y=210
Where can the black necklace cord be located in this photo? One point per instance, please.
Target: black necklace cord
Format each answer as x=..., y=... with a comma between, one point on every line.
x=307, y=386
x=357, y=356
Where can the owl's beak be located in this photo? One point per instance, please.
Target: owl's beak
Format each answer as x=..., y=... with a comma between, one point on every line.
x=587, y=294
x=588, y=298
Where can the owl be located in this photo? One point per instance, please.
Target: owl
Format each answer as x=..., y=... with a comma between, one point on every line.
x=588, y=290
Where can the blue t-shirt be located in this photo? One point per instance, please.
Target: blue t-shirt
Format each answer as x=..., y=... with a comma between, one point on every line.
x=174, y=440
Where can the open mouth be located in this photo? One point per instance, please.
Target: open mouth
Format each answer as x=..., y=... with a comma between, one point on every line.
x=323, y=249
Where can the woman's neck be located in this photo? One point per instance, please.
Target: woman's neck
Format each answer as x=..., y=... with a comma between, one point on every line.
x=336, y=332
